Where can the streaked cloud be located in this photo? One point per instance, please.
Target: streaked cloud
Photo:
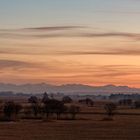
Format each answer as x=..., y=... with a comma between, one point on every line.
x=53, y=28
x=112, y=34
x=64, y=31
x=15, y=64
x=71, y=72
x=87, y=42
x=112, y=51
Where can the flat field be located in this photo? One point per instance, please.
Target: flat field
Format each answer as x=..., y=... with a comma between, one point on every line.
x=89, y=125
x=86, y=127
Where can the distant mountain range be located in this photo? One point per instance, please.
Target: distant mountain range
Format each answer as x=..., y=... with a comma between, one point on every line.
x=68, y=88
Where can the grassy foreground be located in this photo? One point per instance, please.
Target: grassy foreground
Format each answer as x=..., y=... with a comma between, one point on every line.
x=90, y=127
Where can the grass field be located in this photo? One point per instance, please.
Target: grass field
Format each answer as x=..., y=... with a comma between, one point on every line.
x=86, y=127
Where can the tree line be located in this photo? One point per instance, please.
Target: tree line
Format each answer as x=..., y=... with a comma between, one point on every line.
x=45, y=107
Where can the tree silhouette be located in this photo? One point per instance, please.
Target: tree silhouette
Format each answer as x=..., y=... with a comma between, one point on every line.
x=73, y=110
x=53, y=106
x=125, y=102
x=18, y=108
x=33, y=100
x=34, y=104
x=45, y=98
x=87, y=101
x=10, y=109
x=110, y=108
x=66, y=99
x=137, y=104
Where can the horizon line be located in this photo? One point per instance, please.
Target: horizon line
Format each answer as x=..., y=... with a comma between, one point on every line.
x=101, y=85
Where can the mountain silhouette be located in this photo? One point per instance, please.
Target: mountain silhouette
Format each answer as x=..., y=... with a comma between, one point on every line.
x=67, y=88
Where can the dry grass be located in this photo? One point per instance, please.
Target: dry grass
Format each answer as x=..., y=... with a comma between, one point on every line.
x=87, y=127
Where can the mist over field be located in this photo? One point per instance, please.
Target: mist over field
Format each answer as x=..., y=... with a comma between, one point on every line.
x=70, y=69
x=68, y=89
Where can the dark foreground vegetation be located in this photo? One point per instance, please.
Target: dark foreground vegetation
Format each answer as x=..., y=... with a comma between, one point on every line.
x=45, y=108
x=49, y=118
x=48, y=107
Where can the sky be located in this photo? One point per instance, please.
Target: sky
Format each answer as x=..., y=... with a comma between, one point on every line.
x=92, y=42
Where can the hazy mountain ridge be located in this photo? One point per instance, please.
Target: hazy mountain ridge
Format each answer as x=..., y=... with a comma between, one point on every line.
x=68, y=88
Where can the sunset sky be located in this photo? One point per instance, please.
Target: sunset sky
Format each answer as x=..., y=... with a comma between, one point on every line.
x=93, y=42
